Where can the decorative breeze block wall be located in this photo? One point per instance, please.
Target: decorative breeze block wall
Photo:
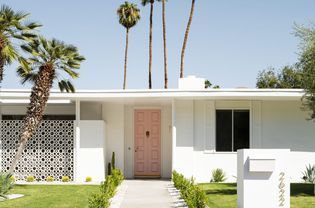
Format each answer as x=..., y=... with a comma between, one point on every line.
x=48, y=153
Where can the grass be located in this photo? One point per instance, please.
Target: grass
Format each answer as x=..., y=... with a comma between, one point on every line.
x=223, y=195
x=50, y=196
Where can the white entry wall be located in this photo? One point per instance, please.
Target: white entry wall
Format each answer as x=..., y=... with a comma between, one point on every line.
x=91, y=154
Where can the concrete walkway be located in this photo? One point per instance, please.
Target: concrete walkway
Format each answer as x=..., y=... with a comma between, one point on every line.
x=147, y=194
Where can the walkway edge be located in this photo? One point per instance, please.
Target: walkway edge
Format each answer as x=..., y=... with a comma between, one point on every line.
x=119, y=196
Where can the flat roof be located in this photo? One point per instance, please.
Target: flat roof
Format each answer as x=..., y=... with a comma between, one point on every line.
x=163, y=94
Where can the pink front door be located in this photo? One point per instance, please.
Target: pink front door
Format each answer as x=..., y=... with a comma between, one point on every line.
x=147, y=134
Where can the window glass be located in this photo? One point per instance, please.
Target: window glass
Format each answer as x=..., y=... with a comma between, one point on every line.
x=232, y=130
x=224, y=130
x=241, y=129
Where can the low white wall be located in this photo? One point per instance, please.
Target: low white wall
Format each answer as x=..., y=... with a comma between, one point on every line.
x=91, y=155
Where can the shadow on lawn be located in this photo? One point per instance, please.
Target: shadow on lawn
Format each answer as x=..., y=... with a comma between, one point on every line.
x=221, y=191
x=302, y=189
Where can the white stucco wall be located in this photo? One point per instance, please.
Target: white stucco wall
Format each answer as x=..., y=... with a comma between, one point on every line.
x=113, y=115
x=274, y=124
x=91, y=153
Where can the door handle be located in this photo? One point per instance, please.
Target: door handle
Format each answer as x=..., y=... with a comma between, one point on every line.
x=147, y=133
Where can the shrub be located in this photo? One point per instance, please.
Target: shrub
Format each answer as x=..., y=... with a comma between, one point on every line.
x=65, y=179
x=118, y=176
x=192, y=194
x=99, y=200
x=88, y=179
x=6, y=183
x=50, y=179
x=309, y=174
x=218, y=176
x=30, y=178
x=107, y=190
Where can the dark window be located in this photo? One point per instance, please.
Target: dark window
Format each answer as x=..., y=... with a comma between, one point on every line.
x=224, y=130
x=232, y=130
x=45, y=117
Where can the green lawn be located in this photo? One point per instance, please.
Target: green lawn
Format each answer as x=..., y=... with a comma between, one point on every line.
x=224, y=195
x=50, y=196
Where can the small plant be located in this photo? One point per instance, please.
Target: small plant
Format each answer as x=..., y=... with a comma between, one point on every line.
x=88, y=179
x=30, y=178
x=12, y=178
x=113, y=161
x=109, y=169
x=65, y=179
x=6, y=184
x=309, y=174
x=218, y=176
x=50, y=179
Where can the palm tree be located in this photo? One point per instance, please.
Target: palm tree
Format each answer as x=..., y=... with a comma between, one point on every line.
x=185, y=39
x=129, y=15
x=48, y=59
x=13, y=26
x=164, y=44
x=144, y=3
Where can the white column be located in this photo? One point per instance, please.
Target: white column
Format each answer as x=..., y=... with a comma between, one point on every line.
x=76, y=139
x=173, y=134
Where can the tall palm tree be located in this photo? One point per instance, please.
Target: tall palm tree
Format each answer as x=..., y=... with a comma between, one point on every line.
x=185, y=39
x=48, y=59
x=129, y=15
x=144, y=3
x=13, y=26
x=164, y=44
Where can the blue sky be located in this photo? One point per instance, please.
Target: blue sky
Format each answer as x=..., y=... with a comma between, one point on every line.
x=229, y=43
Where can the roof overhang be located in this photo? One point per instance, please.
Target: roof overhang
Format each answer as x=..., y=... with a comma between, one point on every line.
x=163, y=95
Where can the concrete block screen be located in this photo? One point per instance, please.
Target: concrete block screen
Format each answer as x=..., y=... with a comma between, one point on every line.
x=263, y=178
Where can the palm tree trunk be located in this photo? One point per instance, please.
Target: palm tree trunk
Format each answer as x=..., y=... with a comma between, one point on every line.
x=185, y=39
x=38, y=100
x=150, y=46
x=1, y=67
x=164, y=44
x=126, y=58
x=1, y=60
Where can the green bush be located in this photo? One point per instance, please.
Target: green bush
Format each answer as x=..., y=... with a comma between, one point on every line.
x=99, y=200
x=192, y=194
x=309, y=174
x=50, y=179
x=218, y=176
x=118, y=176
x=6, y=183
x=107, y=190
x=30, y=178
x=88, y=179
x=65, y=179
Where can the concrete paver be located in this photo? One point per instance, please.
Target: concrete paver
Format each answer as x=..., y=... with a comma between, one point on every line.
x=147, y=194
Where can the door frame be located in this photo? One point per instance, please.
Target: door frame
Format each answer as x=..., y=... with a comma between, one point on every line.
x=138, y=108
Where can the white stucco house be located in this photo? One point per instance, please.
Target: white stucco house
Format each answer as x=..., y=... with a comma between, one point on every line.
x=190, y=129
